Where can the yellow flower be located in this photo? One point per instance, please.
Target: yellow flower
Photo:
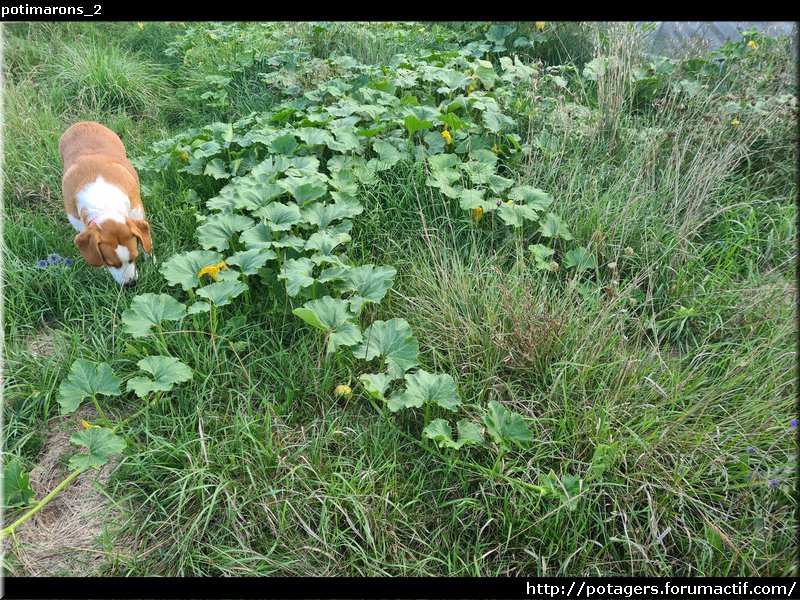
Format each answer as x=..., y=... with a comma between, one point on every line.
x=477, y=214
x=470, y=89
x=539, y=25
x=185, y=157
x=736, y=122
x=752, y=45
x=342, y=391
x=509, y=202
x=554, y=266
x=421, y=30
x=88, y=425
x=628, y=251
x=140, y=25
x=446, y=136
x=495, y=149
x=213, y=270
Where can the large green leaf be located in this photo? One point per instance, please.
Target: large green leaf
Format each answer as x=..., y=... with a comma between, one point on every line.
x=369, y=283
x=580, y=258
x=451, y=81
x=257, y=238
x=537, y=199
x=495, y=121
x=86, y=379
x=486, y=73
x=313, y=136
x=182, y=269
x=17, y=489
x=284, y=144
x=297, y=273
x=218, y=229
x=392, y=340
x=216, y=169
x=423, y=387
x=332, y=316
x=498, y=33
x=250, y=261
x=440, y=432
x=471, y=199
x=554, y=226
x=505, y=426
x=443, y=162
x=542, y=255
x=480, y=173
x=304, y=189
x=326, y=240
x=414, y=124
x=516, y=214
x=150, y=310
x=280, y=217
x=376, y=384
x=323, y=214
x=469, y=433
x=388, y=153
x=222, y=293
x=166, y=372
x=345, y=140
x=290, y=241
x=345, y=182
x=100, y=442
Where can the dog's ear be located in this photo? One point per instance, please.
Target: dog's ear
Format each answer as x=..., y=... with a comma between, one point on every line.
x=141, y=229
x=88, y=243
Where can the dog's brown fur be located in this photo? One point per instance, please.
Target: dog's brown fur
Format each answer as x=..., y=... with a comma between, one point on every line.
x=90, y=150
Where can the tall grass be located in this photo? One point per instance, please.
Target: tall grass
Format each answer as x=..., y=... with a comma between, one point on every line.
x=104, y=78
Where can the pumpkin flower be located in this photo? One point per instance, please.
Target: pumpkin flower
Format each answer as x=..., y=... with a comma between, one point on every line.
x=752, y=45
x=495, y=149
x=88, y=425
x=213, y=270
x=184, y=157
x=342, y=391
x=736, y=122
x=470, y=89
x=509, y=202
x=477, y=214
x=140, y=25
x=446, y=136
x=539, y=25
x=421, y=30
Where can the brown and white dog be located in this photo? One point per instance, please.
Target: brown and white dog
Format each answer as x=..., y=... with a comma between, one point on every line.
x=101, y=195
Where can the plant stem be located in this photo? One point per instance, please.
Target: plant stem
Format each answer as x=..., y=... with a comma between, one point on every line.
x=40, y=505
x=100, y=411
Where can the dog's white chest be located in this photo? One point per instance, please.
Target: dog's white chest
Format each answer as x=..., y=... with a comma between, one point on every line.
x=101, y=200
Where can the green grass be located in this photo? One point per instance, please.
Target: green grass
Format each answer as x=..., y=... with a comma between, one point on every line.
x=252, y=468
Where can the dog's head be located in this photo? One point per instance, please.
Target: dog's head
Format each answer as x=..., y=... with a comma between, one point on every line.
x=116, y=245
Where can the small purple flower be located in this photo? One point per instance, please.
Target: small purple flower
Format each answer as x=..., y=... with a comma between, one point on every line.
x=41, y=263
x=68, y=262
x=53, y=258
x=752, y=449
x=773, y=483
x=793, y=423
